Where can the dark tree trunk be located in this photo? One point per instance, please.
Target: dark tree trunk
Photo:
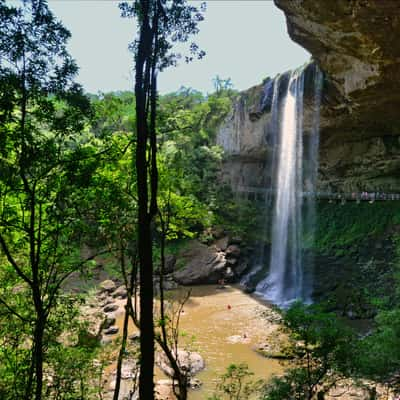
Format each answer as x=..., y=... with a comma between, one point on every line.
x=121, y=353
x=146, y=315
x=38, y=356
x=153, y=22
x=146, y=385
x=125, y=325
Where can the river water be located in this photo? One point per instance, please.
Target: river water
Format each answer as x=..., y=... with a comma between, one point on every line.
x=226, y=324
x=223, y=325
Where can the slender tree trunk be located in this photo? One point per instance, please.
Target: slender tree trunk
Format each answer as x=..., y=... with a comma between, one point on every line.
x=125, y=327
x=36, y=368
x=121, y=353
x=28, y=388
x=37, y=297
x=146, y=317
x=38, y=355
x=146, y=385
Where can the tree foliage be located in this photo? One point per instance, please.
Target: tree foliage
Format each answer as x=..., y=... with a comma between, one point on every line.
x=322, y=347
x=236, y=384
x=41, y=172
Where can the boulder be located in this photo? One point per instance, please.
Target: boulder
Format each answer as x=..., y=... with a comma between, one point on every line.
x=170, y=284
x=107, y=300
x=135, y=337
x=233, y=251
x=128, y=369
x=195, y=383
x=108, y=322
x=110, y=308
x=102, y=296
x=112, y=330
x=238, y=339
x=190, y=362
x=94, y=318
x=107, y=286
x=120, y=293
x=269, y=350
x=170, y=262
x=222, y=244
x=87, y=338
x=203, y=265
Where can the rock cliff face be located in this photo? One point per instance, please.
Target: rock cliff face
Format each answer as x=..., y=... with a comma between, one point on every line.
x=244, y=139
x=355, y=43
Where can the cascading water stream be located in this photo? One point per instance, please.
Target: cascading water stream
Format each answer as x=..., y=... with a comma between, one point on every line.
x=288, y=280
x=273, y=137
x=285, y=264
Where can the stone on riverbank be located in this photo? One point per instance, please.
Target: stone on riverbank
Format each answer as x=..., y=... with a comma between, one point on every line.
x=109, y=321
x=112, y=330
x=120, y=293
x=110, y=308
x=190, y=362
x=107, y=286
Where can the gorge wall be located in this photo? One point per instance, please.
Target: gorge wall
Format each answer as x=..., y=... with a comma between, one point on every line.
x=355, y=43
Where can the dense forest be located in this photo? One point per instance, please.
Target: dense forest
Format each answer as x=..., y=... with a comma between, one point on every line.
x=97, y=189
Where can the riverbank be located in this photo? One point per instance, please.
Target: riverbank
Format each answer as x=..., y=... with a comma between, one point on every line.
x=224, y=325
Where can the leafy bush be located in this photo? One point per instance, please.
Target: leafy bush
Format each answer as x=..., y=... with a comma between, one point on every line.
x=235, y=384
x=321, y=345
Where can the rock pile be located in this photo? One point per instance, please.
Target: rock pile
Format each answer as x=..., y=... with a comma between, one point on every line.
x=108, y=296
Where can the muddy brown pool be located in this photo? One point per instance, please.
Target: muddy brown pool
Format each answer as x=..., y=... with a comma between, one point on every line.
x=226, y=324
x=223, y=325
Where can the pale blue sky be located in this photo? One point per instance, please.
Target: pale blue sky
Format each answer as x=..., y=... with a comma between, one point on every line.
x=245, y=40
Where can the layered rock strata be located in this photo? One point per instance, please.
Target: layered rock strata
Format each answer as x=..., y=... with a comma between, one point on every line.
x=356, y=44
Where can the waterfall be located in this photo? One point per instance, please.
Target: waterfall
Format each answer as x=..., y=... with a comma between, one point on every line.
x=285, y=275
x=271, y=86
x=289, y=279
